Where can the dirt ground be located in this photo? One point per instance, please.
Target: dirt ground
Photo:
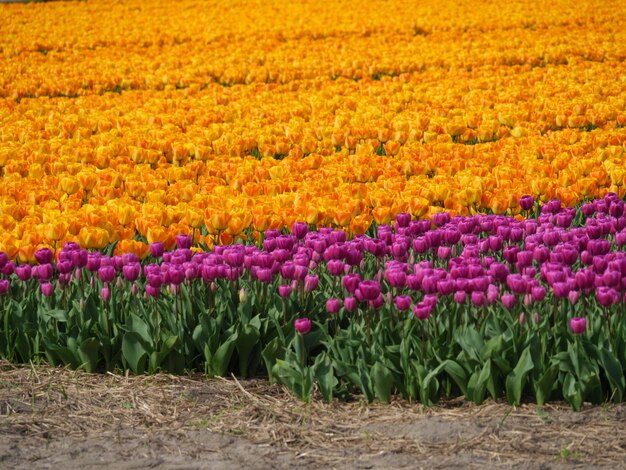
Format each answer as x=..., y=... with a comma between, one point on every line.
x=57, y=418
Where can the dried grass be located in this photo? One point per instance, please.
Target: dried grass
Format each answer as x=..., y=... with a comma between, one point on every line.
x=52, y=403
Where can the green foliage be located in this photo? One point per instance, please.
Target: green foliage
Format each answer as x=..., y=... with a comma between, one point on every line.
x=377, y=354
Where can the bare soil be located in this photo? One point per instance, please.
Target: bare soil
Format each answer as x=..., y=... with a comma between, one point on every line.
x=57, y=418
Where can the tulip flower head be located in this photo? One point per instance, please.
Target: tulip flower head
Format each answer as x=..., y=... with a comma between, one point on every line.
x=578, y=325
x=302, y=325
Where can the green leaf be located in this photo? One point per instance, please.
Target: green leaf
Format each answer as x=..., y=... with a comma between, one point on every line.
x=614, y=373
x=274, y=351
x=429, y=387
x=57, y=313
x=221, y=358
x=324, y=373
x=494, y=347
x=135, y=351
x=157, y=358
x=572, y=392
x=545, y=385
x=516, y=380
x=63, y=353
x=364, y=382
x=564, y=362
x=382, y=382
x=136, y=325
x=89, y=353
x=573, y=356
x=294, y=377
x=477, y=385
x=247, y=339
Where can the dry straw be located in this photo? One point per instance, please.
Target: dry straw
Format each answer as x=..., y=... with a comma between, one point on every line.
x=53, y=403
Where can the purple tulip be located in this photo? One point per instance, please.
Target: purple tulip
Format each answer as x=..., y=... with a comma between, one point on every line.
x=538, y=293
x=24, y=272
x=403, y=302
x=264, y=275
x=446, y=286
x=422, y=311
x=526, y=202
x=508, y=300
x=300, y=272
x=311, y=282
x=524, y=258
x=44, y=255
x=64, y=267
x=585, y=279
x=333, y=305
x=8, y=268
x=441, y=218
x=561, y=289
x=588, y=209
x=47, y=289
x=396, y=278
x=378, y=302
x=153, y=291
x=517, y=283
x=131, y=271
x=478, y=298
x=510, y=254
x=420, y=245
x=4, y=286
x=403, y=219
x=156, y=250
x=444, y=252
x=299, y=230
x=354, y=257
x=349, y=304
x=105, y=294
x=578, y=325
x=399, y=251
x=370, y=289
x=607, y=296
x=94, y=260
x=44, y=272
x=79, y=258
x=302, y=325
x=106, y=273
x=451, y=236
x=285, y=242
x=492, y=293
x=459, y=297
x=284, y=290
x=430, y=299
x=272, y=233
x=335, y=267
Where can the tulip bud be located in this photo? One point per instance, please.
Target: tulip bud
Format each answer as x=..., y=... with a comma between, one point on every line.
x=333, y=305
x=47, y=289
x=302, y=325
x=349, y=304
x=578, y=325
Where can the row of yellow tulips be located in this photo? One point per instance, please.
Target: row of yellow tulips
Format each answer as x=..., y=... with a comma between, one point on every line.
x=210, y=119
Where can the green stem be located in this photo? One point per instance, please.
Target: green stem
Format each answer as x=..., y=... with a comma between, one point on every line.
x=302, y=351
x=156, y=323
x=367, y=327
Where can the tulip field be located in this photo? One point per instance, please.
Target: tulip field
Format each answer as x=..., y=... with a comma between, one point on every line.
x=381, y=199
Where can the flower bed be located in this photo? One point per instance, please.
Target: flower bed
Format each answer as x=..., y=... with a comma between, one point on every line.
x=467, y=305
